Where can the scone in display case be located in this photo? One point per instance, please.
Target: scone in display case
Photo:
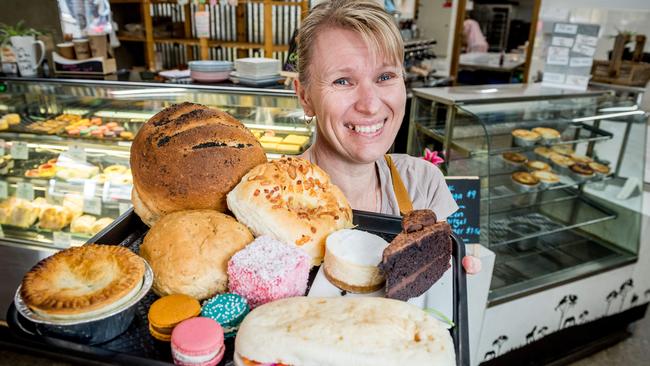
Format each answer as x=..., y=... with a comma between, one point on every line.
x=560, y=172
x=64, y=147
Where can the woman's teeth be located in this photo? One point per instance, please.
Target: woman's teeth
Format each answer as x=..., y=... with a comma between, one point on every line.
x=366, y=129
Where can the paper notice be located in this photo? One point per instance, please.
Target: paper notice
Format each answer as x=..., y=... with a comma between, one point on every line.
x=566, y=28
x=584, y=50
x=557, y=56
x=202, y=23
x=562, y=41
x=577, y=80
x=581, y=62
x=552, y=77
x=586, y=40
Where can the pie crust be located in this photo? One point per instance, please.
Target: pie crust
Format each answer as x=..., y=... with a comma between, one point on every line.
x=525, y=178
x=82, y=280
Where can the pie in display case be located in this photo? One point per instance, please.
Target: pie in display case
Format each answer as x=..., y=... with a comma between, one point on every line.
x=560, y=172
x=64, y=147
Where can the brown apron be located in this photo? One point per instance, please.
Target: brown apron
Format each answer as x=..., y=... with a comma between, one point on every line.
x=403, y=198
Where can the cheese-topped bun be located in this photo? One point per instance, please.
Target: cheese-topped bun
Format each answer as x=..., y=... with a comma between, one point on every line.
x=351, y=259
x=188, y=156
x=293, y=201
x=189, y=252
x=356, y=331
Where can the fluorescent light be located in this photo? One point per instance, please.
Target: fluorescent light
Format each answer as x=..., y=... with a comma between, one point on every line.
x=488, y=91
x=147, y=92
x=620, y=109
x=605, y=116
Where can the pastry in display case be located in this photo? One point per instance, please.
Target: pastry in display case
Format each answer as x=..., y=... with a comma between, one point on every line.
x=69, y=141
x=552, y=165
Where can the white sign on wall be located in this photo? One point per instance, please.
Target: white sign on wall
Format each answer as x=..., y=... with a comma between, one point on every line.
x=570, y=55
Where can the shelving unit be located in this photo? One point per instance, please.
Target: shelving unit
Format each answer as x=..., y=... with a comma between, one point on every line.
x=272, y=112
x=548, y=234
x=241, y=35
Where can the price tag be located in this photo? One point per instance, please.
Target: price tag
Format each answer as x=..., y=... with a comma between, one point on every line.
x=19, y=150
x=77, y=153
x=2, y=147
x=93, y=206
x=25, y=191
x=61, y=240
x=202, y=24
x=4, y=190
x=124, y=207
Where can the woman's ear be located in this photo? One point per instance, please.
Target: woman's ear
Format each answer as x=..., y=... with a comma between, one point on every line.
x=303, y=97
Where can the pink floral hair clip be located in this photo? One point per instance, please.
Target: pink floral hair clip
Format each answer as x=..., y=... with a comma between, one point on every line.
x=432, y=157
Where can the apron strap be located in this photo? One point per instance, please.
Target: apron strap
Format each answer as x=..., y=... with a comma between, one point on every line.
x=403, y=198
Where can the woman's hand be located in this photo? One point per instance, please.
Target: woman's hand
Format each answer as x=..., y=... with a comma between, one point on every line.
x=471, y=264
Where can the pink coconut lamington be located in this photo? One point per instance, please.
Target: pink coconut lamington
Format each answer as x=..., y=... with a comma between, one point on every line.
x=268, y=270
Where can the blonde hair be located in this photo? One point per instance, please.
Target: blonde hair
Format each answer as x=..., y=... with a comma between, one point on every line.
x=365, y=17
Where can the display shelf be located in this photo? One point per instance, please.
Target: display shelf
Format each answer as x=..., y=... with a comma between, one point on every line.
x=557, y=211
x=499, y=141
x=502, y=186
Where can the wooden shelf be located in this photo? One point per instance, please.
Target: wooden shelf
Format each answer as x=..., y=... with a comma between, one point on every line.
x=204, y=44
x=126, y=38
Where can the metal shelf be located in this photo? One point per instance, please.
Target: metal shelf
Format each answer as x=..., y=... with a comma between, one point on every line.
x=547, y=213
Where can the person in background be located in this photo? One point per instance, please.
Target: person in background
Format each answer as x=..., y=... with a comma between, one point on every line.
x=350, y=65
x=473, y=39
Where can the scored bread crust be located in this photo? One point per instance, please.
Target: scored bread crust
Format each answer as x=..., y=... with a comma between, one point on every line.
x=82, y=279
x=293, y=201
x=344, y=331
x=188, y=156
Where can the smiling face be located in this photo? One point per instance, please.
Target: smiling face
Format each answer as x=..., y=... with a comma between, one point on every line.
x=357, y=96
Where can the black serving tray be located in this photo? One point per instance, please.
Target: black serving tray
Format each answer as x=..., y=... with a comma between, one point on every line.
x=137, y=347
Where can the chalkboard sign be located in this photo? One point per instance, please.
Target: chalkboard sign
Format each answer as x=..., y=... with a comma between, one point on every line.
x=466, y=222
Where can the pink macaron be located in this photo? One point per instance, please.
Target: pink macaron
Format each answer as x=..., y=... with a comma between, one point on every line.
x=197, y=342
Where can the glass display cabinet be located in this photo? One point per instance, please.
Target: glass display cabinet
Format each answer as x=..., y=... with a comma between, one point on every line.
x=584, y=217
x=64, y=147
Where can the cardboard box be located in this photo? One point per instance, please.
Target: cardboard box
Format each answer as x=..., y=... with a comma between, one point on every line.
x=89, y=66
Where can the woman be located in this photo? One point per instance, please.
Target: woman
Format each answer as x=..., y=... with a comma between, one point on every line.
x=350, y=68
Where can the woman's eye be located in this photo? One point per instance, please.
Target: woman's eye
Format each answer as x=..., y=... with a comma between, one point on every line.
x=341, y=81
x=385, y=76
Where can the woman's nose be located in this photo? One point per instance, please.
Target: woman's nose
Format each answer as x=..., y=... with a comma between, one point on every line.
x=368, y=98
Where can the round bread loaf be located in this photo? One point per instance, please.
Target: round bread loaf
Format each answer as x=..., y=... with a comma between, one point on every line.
x=189, y=252
x=189, y=156
x=293, y=201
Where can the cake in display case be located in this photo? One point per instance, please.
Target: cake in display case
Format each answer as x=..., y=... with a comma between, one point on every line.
x=558, y=175
x=65, y=148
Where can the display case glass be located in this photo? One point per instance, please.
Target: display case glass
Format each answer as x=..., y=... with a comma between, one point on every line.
x=64, y=147
x=582, y=218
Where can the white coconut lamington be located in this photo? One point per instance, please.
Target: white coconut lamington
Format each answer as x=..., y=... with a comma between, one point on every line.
x=268, y=270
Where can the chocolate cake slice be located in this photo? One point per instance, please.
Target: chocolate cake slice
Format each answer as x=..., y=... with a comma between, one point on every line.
x=417, y=257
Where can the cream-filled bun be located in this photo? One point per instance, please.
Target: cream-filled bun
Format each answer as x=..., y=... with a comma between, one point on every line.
x=189, y=252
x=356, y=331
x=351, y=259
x=293, y=201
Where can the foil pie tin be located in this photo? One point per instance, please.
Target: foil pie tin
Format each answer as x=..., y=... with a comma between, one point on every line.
x=98, y=329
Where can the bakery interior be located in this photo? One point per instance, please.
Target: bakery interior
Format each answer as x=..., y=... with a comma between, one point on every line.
x=561, y=161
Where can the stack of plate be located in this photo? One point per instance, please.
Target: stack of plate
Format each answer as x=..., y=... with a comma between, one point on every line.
x=210, y=71
x=256, y=71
